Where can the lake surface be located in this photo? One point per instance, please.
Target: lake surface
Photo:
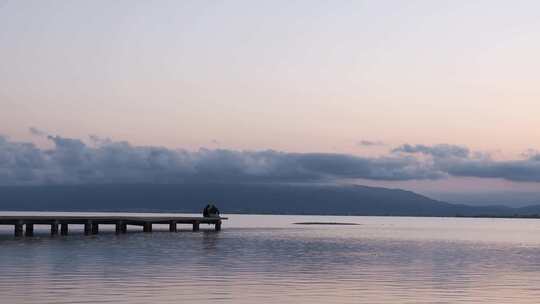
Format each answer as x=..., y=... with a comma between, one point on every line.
x=267, y=259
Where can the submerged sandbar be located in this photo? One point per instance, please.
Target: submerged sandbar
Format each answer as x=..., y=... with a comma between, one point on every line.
x=324, y=223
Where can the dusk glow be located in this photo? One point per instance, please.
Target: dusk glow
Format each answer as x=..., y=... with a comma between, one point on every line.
x=278, y=151
x=298, y=77
x=303, y=76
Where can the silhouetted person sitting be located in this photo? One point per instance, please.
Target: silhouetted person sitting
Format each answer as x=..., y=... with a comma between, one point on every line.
x=213, y=211
x=210, y=211
x=205, y=211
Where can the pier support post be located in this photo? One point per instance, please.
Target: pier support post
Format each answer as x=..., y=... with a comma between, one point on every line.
x=218, y=226
x=95, y=228
x=29, y=230
x=121, y=227
x=19, y=229
x=195, y=226
x=172, y=226
x=87, y=228
x=64, y=229
x=54, y=229
x=147, y=227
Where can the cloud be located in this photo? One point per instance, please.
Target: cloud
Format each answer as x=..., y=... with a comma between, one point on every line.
x=439, y=151
x=37, y=132
x=73, y=161
x=527, y=170
x=369, y=143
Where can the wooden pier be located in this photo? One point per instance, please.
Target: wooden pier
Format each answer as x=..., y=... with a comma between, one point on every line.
x=24, y=224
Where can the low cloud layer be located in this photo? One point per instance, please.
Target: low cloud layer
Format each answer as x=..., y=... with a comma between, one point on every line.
x=72, y=161
x=370, y=143
x=438, y=151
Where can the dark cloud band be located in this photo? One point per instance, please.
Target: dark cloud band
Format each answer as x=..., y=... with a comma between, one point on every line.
x=72, y=161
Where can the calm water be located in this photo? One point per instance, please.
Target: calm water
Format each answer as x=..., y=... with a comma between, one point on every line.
x=266, y=259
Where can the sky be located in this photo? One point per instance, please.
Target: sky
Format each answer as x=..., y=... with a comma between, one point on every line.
x=434, y=96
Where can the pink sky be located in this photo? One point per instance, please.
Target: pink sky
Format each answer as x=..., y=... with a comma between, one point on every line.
x=303, y=76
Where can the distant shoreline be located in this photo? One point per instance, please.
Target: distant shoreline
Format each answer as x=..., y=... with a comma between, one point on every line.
x=149, y=210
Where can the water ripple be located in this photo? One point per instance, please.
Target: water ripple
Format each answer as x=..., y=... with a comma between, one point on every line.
x=385, y=260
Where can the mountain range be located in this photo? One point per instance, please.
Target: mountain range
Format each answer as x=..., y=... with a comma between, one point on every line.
x=243, y=198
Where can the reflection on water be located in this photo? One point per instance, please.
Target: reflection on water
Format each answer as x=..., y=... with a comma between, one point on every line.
x=265, y=259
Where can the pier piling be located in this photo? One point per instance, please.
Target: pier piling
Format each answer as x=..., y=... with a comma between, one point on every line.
x=120, y=227
x=88, y=227
x=29, y=230
x=172, y=226
x=195, y=226
x=64, y=229
x=54, y=228
x=19, y=229
x=147, y=227
x=95, y=228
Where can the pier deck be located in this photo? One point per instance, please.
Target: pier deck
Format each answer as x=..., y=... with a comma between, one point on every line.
x=60, y=223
